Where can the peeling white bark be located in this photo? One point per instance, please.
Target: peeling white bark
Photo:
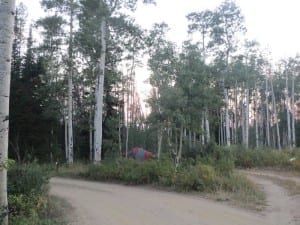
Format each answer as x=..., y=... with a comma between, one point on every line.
x=207, y=128
x=275, y=116
x=7, y=9
x=99, y=97
x=288, y=118
x=267, y=114
x=227, y=131
x=159, y=142
x=247, y=119
x=256, y=118
x=293, y=113
x=70, y=90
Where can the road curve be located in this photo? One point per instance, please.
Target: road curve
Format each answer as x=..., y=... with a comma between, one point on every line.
x=283, y=208
x=110, y=204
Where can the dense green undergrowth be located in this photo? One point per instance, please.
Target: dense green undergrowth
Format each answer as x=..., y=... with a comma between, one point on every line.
x=211, y=170
x=267, y=158
x=29, y=202
x=206, y=176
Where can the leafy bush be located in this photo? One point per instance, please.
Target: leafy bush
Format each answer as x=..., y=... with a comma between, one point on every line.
x=26, y=180
x=296, y=164
x=221, y=158
x=27, y=195
x=196, y=176
x=129, y=171
x=200, y=177
x=262, y=158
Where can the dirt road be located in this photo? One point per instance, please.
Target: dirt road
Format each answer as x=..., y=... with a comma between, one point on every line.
x=283, y=207
x=110, y=204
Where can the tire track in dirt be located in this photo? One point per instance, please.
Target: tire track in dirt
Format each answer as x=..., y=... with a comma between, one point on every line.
x=282, y=208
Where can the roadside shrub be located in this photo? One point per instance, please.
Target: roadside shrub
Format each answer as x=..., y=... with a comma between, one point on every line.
x=27, y=180
x=197, y=178
x=262, y=158
x=27, y=194
x=296, y=164
x=131, y=172
x=221, y=158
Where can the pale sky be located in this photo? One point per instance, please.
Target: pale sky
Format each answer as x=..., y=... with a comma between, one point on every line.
x=273, y=23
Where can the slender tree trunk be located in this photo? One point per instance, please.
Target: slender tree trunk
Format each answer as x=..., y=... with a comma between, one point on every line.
x=176, y=142
x=227, y=131
x=243, y=121
x=127, y=122
x=267, y=114
x=221, y=129
x=275, y=116
x=273, y=138
x=178, y=157
x=70, y=90
x=7, y=10
x=129, y=113
x=66, y=139
x=91, y=133
x=288, y=118
x=256, y=118
x=202, y=131
x=235, y=113
x=207, y=127
x=256, y=129
x=293, y=113
x=247, y=119
x=119, y=131
x=190, y=138
x=159, y=142
x=99, y=97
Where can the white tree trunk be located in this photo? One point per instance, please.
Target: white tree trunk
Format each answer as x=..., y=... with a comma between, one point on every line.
x=227, y=135
x=7, y=11
x=99, y=97
x=70, y=89
x=267, y=114
x=293, y=113
x=247, y=119
x=202, y=131
x=119, y=131
x=159, y=141
x=179, y=153
x=235, y=113
x=256, y=118
x=221, y=130
x=91, y=133
x=66, y=138
x=288, y=113
x=127, y=120
x=275, y=116
x=243, y=121
x=256, y=129
x=207, y=128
